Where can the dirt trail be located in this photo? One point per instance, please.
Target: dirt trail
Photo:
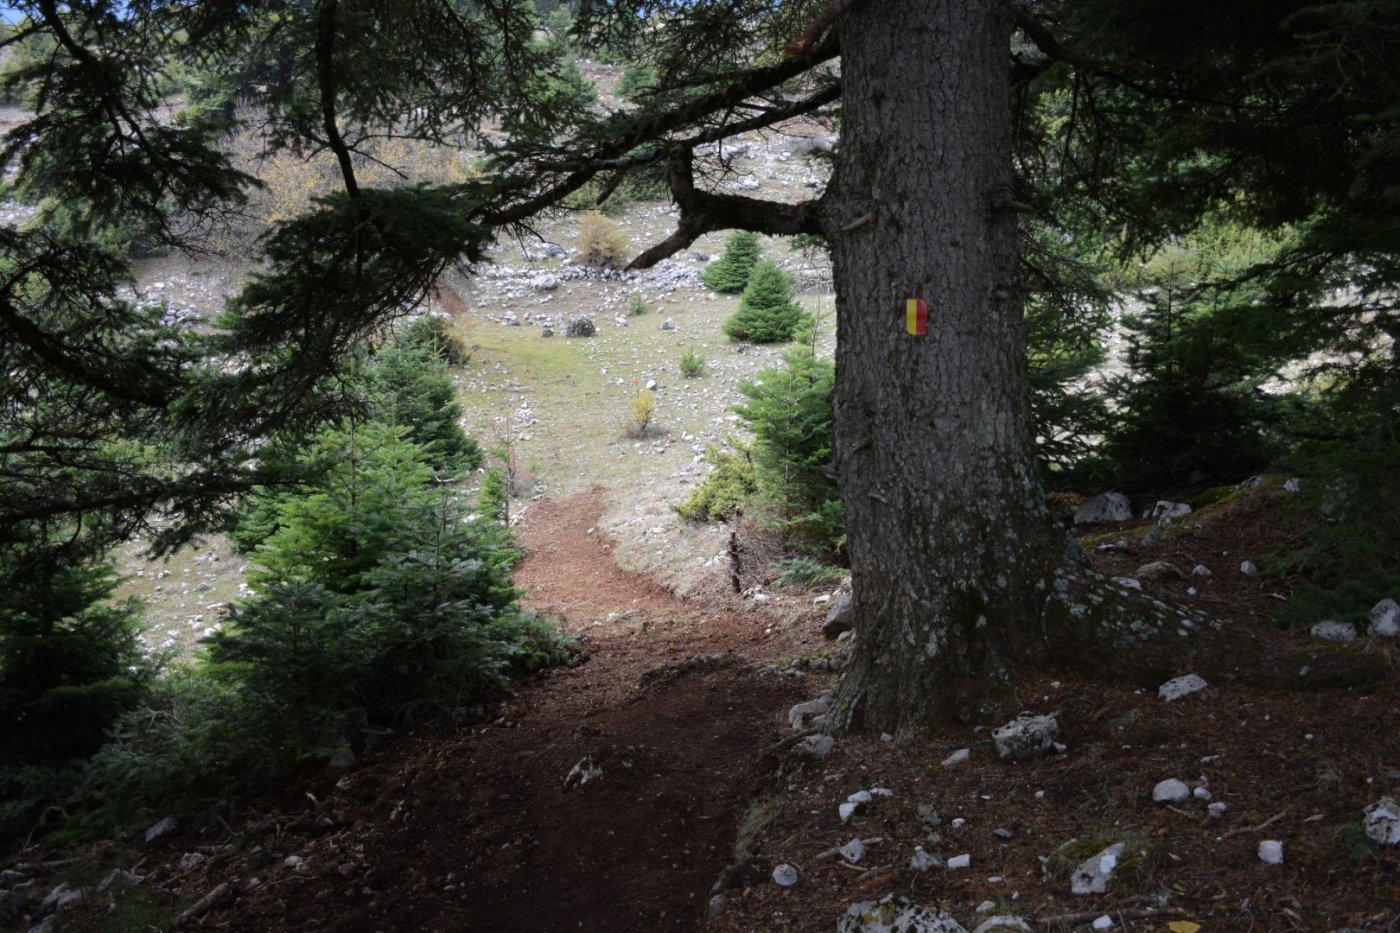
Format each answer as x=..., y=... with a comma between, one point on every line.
x=477, y=831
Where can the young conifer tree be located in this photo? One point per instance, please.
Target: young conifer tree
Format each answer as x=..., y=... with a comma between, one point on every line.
x=730, y=273
x=767, y=313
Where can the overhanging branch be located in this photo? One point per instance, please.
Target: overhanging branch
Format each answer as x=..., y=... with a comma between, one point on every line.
x=1043, y=39
x=625, y=133
x=704, y=212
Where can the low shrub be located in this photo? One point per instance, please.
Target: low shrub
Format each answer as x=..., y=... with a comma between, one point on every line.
x=600, y=243
x=640, y=409
x=804, y=571
x=692, y=364
x=726, y=488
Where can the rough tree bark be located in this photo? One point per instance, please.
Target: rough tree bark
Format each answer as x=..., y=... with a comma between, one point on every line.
x=958, y=566
x=952, y=547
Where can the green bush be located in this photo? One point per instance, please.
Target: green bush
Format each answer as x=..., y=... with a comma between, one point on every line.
x=1350, y=499
x=692, y=364
x=376, y=598
x=493, y=498
x=439, y=334
x=636, y=81
x=729, y=274
x=637, y=305
x=1191, y=412
x=408, y=386
x=411, y=387
x=789, y=412
x=767, y=312
x=726, y=488
x=803, y=571
x=785, y=471
x=70, y=658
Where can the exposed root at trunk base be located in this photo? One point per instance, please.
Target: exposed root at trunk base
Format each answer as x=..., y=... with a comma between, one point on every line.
x=1088, y=623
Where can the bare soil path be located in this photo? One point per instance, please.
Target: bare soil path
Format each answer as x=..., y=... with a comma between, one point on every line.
x=480, y=831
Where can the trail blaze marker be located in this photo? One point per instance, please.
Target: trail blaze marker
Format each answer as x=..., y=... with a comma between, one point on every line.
x=916, y=317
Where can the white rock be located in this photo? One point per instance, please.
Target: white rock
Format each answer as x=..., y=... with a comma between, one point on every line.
x=957, y=758
x=894, y=914
x=816, y=746
x=1004, y=923
x=1170, y=791
x=1385, y=620
x=341, y=763
x=1200, y=570
x=1382, y=821
x=1179, y=687
x=119, y=880
x=581, y=773
x=1332, y=630
x=960, y=861
x=853, y=851
x=1200, y=793
x=1026, y=736
x=785, y=875
x=1093, y=875
x=1217, y=809
x=1293, y=484
x=60, y=897
x=1249, y=568
x=1166, y=511
x=1104, y=922
x=192, y=860
x=1132, y=583
x=860, y=797
x=846, y=811
x=161, y=829
x=1106, y=507
x=1271, y=851
x=294, y=862
x=923, y=861
x=799, y=714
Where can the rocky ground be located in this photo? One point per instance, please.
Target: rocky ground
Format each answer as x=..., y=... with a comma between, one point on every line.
x=662, y=782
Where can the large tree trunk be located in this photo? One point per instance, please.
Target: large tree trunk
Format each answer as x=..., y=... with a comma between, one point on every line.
x=952, y=547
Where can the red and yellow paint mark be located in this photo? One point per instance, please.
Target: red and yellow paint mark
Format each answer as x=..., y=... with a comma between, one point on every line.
x=916, y=317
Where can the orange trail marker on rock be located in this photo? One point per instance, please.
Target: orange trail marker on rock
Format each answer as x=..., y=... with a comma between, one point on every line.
x=916, y=317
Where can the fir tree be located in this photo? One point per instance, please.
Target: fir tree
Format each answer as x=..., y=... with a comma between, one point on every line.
x=70, y=660
x=412, y=389
x=789, y=411
x=729, y=274
x=767, y=313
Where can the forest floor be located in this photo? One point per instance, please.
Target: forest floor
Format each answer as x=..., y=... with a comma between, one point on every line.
x=680, y=694
x=681, y=706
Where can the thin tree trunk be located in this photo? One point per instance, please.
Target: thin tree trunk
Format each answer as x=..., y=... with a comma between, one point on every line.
x=952, y=547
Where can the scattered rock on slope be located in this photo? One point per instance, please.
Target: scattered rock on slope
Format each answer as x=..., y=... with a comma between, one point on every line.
x=1385, y=619
x=1026, y=736
x=1105, y=507
x=894, y=914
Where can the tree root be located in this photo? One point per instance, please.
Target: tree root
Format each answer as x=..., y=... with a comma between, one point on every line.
x=1092, y=623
